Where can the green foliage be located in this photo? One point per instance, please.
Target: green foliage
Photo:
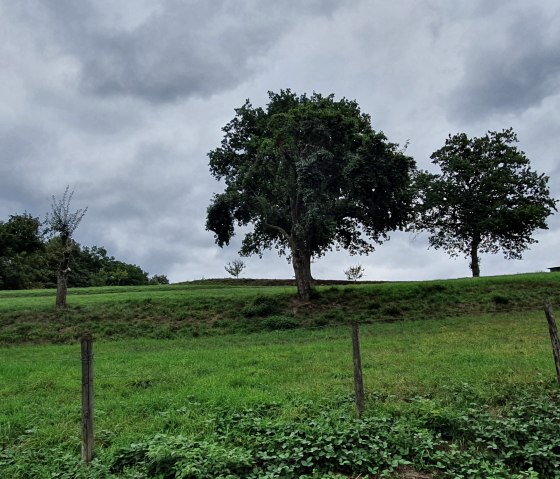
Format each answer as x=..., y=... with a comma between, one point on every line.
x=525, y=436
x=158, y=279
x=29, y=260
x=262, y=306
x=485, y=199
x=521, y=441
x=276, y=323
x=21, y=243
x=308, y=173
x=20, y=234
x=178, y=457
x=61, y=221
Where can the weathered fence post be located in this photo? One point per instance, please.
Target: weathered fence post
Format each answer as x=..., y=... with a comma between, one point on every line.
x=358, y=378
x=87, y=398
x=553, y=337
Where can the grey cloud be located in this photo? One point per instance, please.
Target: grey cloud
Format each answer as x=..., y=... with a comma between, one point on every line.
x=90, y=84
x=185, y=49
x=512, y=70
x=20, y=147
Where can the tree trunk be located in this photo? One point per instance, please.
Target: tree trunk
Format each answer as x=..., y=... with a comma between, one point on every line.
x=475, y=262
x=302, y=269
x=61, y=288
x=62, y=278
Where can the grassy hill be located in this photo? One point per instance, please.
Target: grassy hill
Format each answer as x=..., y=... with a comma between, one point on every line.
x=232, y=380
x=227, y=306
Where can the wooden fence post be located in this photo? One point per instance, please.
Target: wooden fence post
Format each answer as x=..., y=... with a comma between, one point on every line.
x=87, y=398
x=358, y=378
x=553, y=337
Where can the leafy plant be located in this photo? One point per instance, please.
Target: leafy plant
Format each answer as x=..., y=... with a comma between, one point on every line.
x=262, y=306
x=184, y=458
x=277, y=322
x=520, y=443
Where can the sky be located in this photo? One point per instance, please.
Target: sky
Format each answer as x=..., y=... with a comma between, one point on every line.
x=123, y=99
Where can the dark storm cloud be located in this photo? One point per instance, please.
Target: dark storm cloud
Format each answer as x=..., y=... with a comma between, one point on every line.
x=510, y=69
x=181, y=50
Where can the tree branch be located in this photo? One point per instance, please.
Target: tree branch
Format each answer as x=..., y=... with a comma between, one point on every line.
x=284, y=233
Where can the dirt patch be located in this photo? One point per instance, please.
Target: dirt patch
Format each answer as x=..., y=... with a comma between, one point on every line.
x=404, y=473
x=410, y=473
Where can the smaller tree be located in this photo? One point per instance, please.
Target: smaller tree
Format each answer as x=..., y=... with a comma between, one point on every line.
x=159, y=279
x=485, y=199
x=235, y=267
x=354, y=273
x=63, y=223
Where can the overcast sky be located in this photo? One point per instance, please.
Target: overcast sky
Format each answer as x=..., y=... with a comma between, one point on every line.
x=123, y=99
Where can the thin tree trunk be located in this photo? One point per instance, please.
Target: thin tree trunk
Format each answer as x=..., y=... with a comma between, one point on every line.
x=302, y=270
x=61, y=288
x=62, y=277
x=475, y=262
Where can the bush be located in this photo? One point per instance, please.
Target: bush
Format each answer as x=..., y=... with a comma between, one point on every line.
x=500, y=299
x=274, y=323
x=354, y=273
x=262, y=306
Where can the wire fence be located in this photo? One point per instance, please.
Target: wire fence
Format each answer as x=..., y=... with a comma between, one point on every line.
x=76, y=369
x=113, y=371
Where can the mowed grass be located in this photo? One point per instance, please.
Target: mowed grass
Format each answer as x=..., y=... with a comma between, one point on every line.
x=145, y=387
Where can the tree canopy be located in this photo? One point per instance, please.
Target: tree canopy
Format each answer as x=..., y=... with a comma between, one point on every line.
x=20, y=241
x=485, y=199
x=309, y=174
x=28, y=259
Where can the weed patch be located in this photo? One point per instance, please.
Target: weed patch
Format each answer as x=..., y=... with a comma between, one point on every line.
x=278, y=323
x=262, y=306
x=519, y=441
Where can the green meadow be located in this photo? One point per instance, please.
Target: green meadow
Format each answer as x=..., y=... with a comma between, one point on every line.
x=216, y=380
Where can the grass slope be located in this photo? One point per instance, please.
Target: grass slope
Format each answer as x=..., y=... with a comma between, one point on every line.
x=203, y=308
x=190, y=387
x=465, y=390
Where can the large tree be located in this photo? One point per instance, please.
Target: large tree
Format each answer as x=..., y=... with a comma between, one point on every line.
x=485, y=199
x=308, y=173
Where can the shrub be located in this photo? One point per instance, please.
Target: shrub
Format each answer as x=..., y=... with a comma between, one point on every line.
x=262, y=306
x=500, y=299
x=354, y=273
x=393, y=311
x=274, y=323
